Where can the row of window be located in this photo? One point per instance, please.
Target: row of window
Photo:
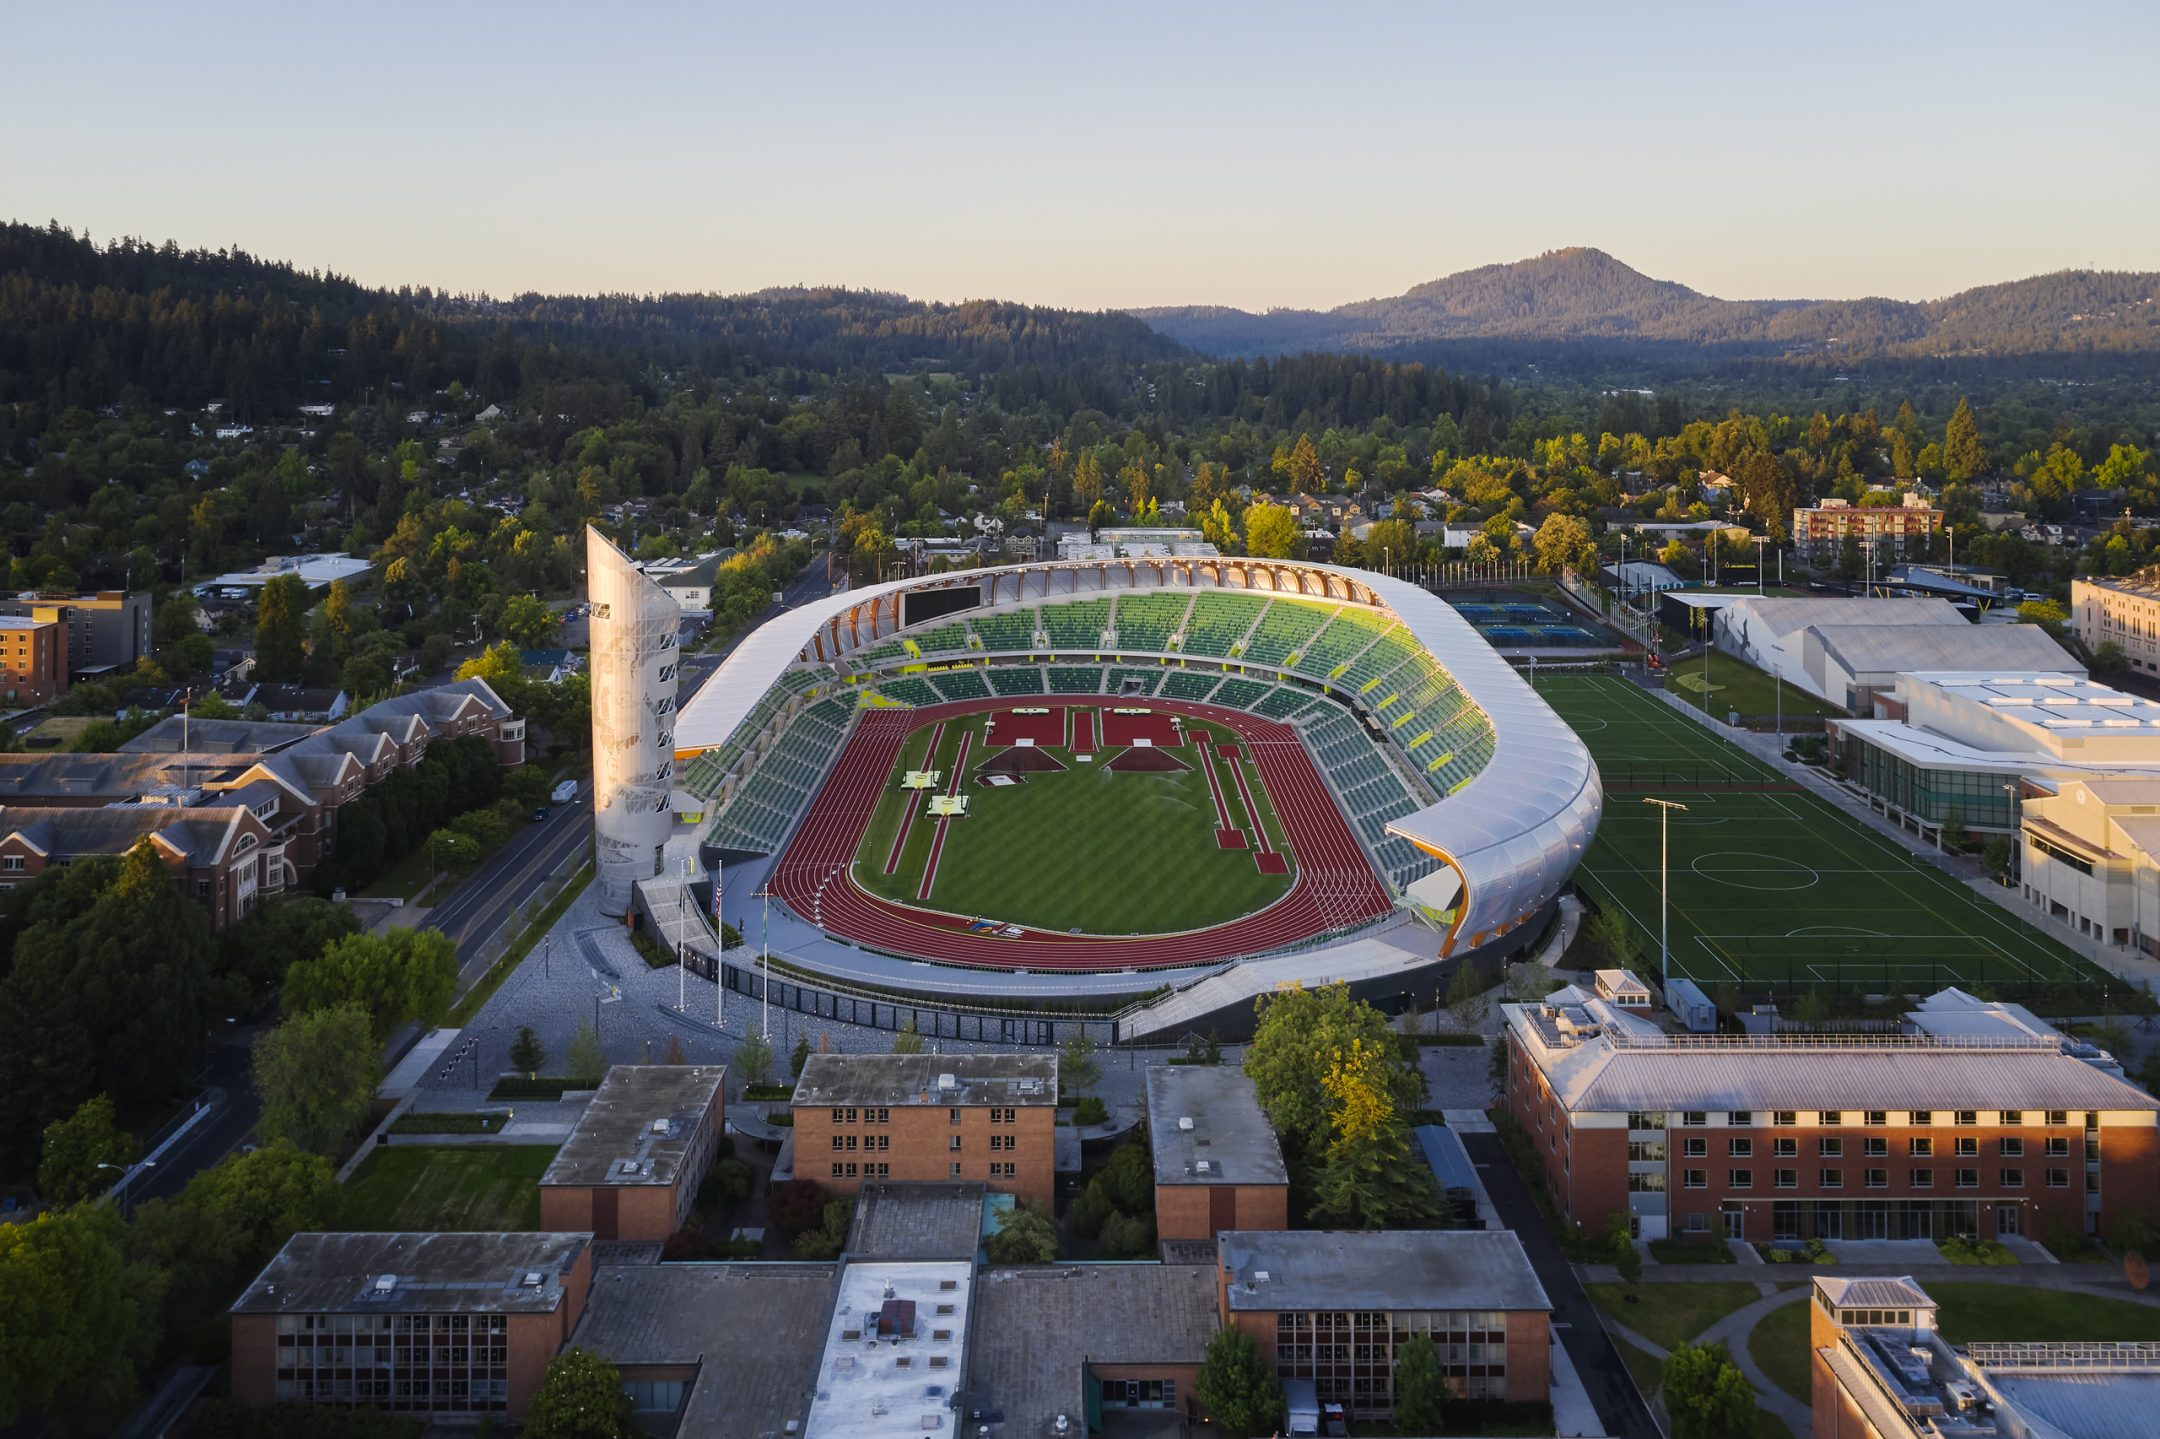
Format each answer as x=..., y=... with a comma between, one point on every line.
x=1835, y=1179
x=846, y=1169
x=846, y=1142
x=1871, y=1147
x=882, y=1114
x=1652, y=1119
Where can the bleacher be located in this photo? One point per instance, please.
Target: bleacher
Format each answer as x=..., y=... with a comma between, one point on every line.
x=1017, y=680
x=1189, y=685
x=1238, y=694
x=1147, y=619
x=960, y=685
x=1334, y=647
x=1219, y=620
x=1077, y=625
x=871, y=656
x=1010, y=631
x=1145, y=680
x=909, y=690
x=1389, y=653
x=703, y=774
x=763, y=809
x=1284, y=630
x=944, y=640
x=1282, y=702
x=1065, y=680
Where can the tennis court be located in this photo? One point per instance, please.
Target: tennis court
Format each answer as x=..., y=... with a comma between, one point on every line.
x=1772, y=886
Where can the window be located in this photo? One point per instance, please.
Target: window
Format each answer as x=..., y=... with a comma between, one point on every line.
x=877, y=1116
x=1650, y=1151
x=1694, y=1118
x=1878, y=1179
x=1968, y=1179
x=1785, y=1179
x=2058, y=1116
x=956, y=1170
x=1694, y=1148
x=1648, y=1182
x=2013, y=1179
x=1697, y=1223
x=836, y=1171
x=1742, y=1118
x=1645, y=1119
x=1878, y=1116
x=1968, y=1116
x=2058, y=1179
x=1740, y=1178
x=1920, y=1147
x=839, y=1116
x=1875, y=1148
x=1923, y=1116
x=2012, y=1148
x=1784, y=1148
x=1921, y=1178
x=1695, y=1179
x=1740, y=1148
x=1831, y=1179
x=2013, y=1116
x=836, y=1143
x=952, y=1116
x=2058, y=1147
x=1965, y=1147
x=1784, y=1118
x=13, y=862
x=1831, y=1148
x=1830, y=1117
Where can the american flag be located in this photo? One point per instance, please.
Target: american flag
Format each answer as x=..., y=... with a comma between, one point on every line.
x=718, y=869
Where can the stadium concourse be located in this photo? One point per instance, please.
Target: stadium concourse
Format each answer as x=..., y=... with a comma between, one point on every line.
x=1424, y=804
x=1335, y=889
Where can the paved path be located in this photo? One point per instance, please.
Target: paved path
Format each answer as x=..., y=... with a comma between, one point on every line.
x=2097, y=1278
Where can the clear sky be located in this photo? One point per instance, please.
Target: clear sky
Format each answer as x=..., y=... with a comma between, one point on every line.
x=1098, y=154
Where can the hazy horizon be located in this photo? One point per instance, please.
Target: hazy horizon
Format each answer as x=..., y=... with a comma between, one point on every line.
x=1131, y=157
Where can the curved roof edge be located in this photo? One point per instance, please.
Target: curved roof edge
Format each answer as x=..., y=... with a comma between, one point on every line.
x=1514, y=832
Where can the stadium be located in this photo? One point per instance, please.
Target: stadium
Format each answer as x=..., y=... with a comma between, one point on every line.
x=1155, y=788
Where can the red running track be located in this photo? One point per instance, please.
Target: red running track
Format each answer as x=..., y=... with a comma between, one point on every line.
x=1334, y=887
x=1083, y=733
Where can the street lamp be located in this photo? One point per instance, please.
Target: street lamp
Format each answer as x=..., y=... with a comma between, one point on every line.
x=125, y=1174
x=1665, y=808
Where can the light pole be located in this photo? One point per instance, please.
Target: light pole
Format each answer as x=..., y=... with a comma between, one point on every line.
x=125, y=1174
x=765, y=1022
x=1760, y=541
x=1665, y=809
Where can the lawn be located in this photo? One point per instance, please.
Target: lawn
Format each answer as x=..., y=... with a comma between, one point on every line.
x=1082, y=848
x=1734, y=684
x=2014, y=1312
x=1780, y=1346
x=1756, y=861
x=447, y=1187
x=1671, y=1314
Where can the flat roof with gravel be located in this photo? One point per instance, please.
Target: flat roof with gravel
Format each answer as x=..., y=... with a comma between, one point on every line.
x=638, y=1127
x=1206, y=1126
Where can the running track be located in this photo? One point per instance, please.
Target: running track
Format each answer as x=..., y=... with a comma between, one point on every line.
x=907, y=815
x=1335, y=886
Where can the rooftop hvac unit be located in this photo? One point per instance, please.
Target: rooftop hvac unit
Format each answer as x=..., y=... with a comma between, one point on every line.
x=385, y=1283
x=1185, y=1123
x=659, y=1126
x=1202, y=1166
x=947, y=1082
x=531, y=1279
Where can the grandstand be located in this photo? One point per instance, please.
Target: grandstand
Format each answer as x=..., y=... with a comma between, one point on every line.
x=1189, y=685
x=1285, y=630
x=960, y=685
x=1220, y=620
x=1005, y=631
x=761, y=811
x=1134, y=681
x=1071, y=680
x=1077, y=625
x=1150, y=620
x=1017, y=680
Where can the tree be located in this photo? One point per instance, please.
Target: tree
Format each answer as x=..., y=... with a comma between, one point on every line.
x=1271, y=532
x=1626, y=1257
x=74, y=1328
x=1295, y=1043
x=1307, y=475
x=1610, y=939
x=498, y=664
x=2109, y=659
x=1466, y=998
x=1128, y=1236
x=528, y=622
x=1706, y=1395
x=1025, y=1235
x=1238, y=1385
x=399, y=976
x=1562, y=542
x=317, y=1074
x=908, y=1040
x=449, y=850
x=281, y=630
x=1421, y=1388
x=582, y=1397
x=588, y=1061
x=1963, y=454
x=1995, y=855
x=526, y=1053
x=2048, y=614
x=1078, y=1068
x=84, y=1153
x=753, y=1059
x=800, y=1055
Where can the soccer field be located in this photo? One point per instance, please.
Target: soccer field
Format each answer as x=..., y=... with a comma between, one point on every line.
x=1077, y=845
x=1772, y=886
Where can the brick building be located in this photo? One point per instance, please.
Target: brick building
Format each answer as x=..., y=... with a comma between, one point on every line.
x=1217, y=1163
x=633, y=1162
x=221, y=857
x=991, y=1117
x=1975, y=1119
x=1893, y=530
x=33, y=661
x=436, y=1324
x=105, y=632
x=1331, y=1306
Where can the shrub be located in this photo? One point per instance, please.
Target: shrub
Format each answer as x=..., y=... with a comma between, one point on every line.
x=726, y=1183
x=1091, y=1111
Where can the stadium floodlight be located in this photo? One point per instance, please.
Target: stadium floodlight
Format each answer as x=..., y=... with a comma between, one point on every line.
x=1664, y=921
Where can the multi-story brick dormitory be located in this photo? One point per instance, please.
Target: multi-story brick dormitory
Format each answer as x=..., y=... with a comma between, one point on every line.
x=292, y=779
x=633, y=1162
x=989, y=1117
x=1976, y=1118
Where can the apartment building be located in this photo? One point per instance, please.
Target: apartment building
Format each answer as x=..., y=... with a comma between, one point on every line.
x=1893, y=530
x=33, y=661
x=988, y=1117
x=1975, y=1118
x=1881, y=1369
x=1332, y=1306
x=106, y=632
x=633, y=1162
x=222, y=857
x=1218, y=1165
x=2124, y=612
x=448, y=1325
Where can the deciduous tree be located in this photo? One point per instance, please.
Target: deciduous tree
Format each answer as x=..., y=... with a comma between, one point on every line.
x=1271, y=532
x=582, y=1397
x=399, y=976
x=1238, y=1385
x=281, y=630
x=587, y=1062
x=73, y=1323
x=1706, y=1395
x=1421, y=1388
x=1025, y=1235
x=84, y=1153
x=317, y=1074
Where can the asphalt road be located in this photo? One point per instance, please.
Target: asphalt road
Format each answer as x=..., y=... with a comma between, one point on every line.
x=1611, y=1390
x=471, y=916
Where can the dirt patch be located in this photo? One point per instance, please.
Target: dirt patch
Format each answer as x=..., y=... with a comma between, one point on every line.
x=1020, y=759
x=1142, y=760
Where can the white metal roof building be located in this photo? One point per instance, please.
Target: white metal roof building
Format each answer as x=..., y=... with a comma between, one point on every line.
x=1506, y=838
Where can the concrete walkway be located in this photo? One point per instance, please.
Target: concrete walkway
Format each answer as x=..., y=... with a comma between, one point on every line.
x=1734, y=1331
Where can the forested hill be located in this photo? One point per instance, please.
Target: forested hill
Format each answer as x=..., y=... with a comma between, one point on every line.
x=1585, y=296
x=85, y=324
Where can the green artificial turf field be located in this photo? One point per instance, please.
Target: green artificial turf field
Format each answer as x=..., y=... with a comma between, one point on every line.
x=1084, y=848
x=1770, y=884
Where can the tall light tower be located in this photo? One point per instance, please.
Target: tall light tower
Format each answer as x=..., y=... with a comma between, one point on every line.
x=1664, y=901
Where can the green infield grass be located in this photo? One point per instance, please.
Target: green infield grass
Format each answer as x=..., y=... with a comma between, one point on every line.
x=1771, y=885
x=1082, y=848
